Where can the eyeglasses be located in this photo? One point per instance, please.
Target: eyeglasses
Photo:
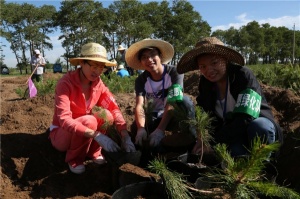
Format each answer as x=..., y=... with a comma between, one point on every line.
x=95, y=66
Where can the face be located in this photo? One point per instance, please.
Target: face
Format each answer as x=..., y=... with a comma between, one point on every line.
x=92, y=69
x=213, y=67
x=150, y=60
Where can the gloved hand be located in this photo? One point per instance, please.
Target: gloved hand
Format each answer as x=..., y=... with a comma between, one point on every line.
x=127, y=144
x=106, y=143
x=140, y=136
x=155, y=137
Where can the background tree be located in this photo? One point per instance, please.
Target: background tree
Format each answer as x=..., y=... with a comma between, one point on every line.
x=26, y=30
x=27, y=27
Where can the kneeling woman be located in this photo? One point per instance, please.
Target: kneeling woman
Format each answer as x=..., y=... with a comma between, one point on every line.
x=76, y=129
x=231, y=93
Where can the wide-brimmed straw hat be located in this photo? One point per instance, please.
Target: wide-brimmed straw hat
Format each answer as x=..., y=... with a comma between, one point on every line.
x=120, y=47
x=165, y=48
x=93, y=52
x=209, y=45
x=121, y=66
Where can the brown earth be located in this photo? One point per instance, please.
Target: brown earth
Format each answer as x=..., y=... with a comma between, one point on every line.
x=31, y=168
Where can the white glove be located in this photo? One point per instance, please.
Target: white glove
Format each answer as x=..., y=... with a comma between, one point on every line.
x=106, y=143
x=127, y=143
x=140, y=136
x=155, y=137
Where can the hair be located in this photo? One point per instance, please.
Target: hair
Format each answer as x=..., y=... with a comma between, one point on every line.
x=140, y=53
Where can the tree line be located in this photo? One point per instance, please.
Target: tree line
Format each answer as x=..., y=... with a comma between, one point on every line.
x=27, y=27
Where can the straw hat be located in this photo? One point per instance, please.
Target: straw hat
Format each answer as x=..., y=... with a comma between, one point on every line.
x=121, y=66
x=131, y=57
x=121, y=48
x=93, y=52
x=211, y=45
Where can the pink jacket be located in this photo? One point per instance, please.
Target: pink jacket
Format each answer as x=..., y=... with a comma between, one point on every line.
x=70, y=103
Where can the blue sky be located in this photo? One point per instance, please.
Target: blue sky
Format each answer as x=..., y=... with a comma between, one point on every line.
x=221, y=14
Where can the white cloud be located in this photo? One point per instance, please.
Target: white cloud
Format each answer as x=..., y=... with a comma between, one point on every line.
x=286, y=21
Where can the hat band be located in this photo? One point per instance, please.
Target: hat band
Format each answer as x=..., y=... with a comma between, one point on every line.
x=100, y=56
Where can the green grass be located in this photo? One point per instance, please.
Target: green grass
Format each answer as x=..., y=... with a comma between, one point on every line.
x=283, y=76
x=117, y=84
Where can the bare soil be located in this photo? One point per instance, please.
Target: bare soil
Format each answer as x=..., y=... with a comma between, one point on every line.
x=32, y=168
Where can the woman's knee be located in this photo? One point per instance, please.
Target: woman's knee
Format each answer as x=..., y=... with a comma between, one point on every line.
x=89, y=121
x=263, y=128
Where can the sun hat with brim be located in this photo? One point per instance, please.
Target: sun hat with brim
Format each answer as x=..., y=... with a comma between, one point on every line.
x=208, y=45
x=93, y=52
x=120, y=67
x=120, y=47
x=131, y=57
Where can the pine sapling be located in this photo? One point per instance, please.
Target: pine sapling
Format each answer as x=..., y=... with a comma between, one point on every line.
x=174, y=182
x=244, y=177
x=202, y=123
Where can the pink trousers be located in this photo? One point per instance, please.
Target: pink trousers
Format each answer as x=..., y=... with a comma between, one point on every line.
x=78, y=147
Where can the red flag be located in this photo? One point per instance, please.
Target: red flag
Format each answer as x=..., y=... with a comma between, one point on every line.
x=32, y=89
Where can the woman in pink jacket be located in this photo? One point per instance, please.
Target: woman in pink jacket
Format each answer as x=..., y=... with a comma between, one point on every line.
x=76, y=128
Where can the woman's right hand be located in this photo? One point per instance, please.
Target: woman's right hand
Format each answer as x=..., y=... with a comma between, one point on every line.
x=106, y=143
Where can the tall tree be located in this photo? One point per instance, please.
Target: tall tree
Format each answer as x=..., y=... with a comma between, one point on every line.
x=80, y=22
x=186, y=28
x=25, y=27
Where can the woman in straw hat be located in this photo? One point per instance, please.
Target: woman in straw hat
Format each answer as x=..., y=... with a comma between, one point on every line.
x=76, y=128
x=152, y=56
x=231, y=93
x=122, y=51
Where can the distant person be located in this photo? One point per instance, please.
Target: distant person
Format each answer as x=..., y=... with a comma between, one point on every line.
x=111, y=69
x=79, y=129
x=122, y=72
x=122, y=50
x=38, y=63
x=153, y=85
x=230, y=92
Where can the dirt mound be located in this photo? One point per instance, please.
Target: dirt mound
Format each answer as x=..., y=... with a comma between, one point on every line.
x=31, y=168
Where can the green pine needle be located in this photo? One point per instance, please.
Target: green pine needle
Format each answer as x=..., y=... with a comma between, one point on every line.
x=176, y=186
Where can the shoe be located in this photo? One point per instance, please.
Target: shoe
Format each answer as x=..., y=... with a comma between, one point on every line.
x=78, y=169
x=99, y=160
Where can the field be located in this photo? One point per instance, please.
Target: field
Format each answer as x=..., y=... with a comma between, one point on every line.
x=31, y=168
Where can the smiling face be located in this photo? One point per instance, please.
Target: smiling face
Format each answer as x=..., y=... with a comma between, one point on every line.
x=92, y=69
x=150, y=60
x=213, y=67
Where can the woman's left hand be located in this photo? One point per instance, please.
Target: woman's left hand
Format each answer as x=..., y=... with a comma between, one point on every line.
x=127, y=144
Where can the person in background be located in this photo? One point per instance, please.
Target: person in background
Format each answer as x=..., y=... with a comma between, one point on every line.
x=122, y=72
x=230, y=92
x=77, y=127
x=110, y=69
x=38, y=63
x=153, y=85
x=122, y=51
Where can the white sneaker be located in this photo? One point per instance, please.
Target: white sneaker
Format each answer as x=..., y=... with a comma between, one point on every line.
x=79, y=169
x=99, y=160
